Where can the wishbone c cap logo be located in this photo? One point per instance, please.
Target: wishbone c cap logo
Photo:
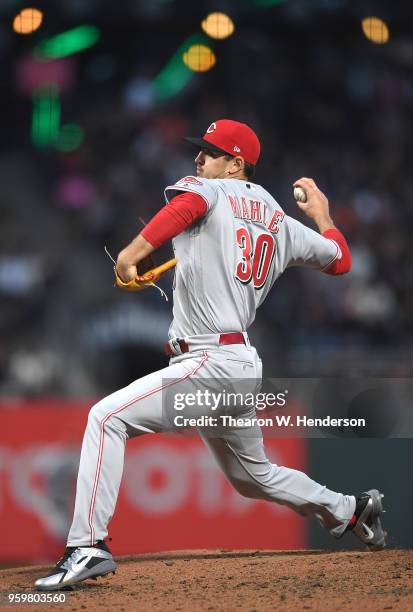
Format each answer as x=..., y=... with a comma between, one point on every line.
x=211, y=128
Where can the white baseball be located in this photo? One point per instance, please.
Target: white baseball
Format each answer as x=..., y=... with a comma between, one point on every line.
x=300, y=195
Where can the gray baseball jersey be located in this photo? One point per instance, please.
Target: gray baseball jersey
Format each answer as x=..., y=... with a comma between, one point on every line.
x=229, y=259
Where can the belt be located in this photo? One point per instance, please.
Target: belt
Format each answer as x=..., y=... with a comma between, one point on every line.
x=183, y=347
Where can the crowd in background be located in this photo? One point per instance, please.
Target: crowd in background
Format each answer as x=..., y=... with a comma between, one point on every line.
x=326, y=104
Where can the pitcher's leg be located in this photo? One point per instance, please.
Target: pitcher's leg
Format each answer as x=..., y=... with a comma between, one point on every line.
x=102, y=458
x=134, y=410
x=243, y=460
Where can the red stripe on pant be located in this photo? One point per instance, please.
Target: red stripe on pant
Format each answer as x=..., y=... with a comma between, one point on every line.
x=102, y=436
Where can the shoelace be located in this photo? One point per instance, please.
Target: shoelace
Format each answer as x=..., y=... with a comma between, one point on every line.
x=66, y=555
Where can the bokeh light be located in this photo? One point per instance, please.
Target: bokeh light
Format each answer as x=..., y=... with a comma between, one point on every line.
x=218, y=25
x=69, y=42
x=46, y=115
x=199, y=58
x=27, y=21
x=176, y=74
x=70, y=137
x=375, y=29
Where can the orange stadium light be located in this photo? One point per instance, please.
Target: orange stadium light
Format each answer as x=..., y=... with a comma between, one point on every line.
x=218, y=25
x=375, y=29
x=199, y=58
x=27, y=21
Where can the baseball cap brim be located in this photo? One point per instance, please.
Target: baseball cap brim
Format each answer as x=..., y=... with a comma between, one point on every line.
x=204, y=144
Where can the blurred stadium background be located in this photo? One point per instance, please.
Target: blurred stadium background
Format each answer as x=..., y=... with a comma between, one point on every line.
x=96, y=97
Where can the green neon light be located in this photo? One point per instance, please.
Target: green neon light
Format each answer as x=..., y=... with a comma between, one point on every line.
x=70, y=138
x=46, y=116
x=175, y=75
x=67, y=43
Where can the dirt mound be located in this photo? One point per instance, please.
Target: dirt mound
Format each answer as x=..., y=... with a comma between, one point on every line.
x=238, y=581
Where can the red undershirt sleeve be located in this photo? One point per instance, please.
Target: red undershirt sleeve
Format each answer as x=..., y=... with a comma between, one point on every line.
x=176, y=216
x=342, y=265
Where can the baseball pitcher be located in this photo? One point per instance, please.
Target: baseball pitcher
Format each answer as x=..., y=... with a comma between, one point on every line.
x=232, y=241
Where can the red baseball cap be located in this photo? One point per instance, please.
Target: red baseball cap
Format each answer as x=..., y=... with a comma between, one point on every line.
x=232, y=138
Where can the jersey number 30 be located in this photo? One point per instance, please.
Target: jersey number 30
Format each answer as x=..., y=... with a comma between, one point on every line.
x=256, y=260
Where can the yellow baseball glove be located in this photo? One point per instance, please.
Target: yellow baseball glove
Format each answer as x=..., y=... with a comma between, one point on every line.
x=148, y=275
